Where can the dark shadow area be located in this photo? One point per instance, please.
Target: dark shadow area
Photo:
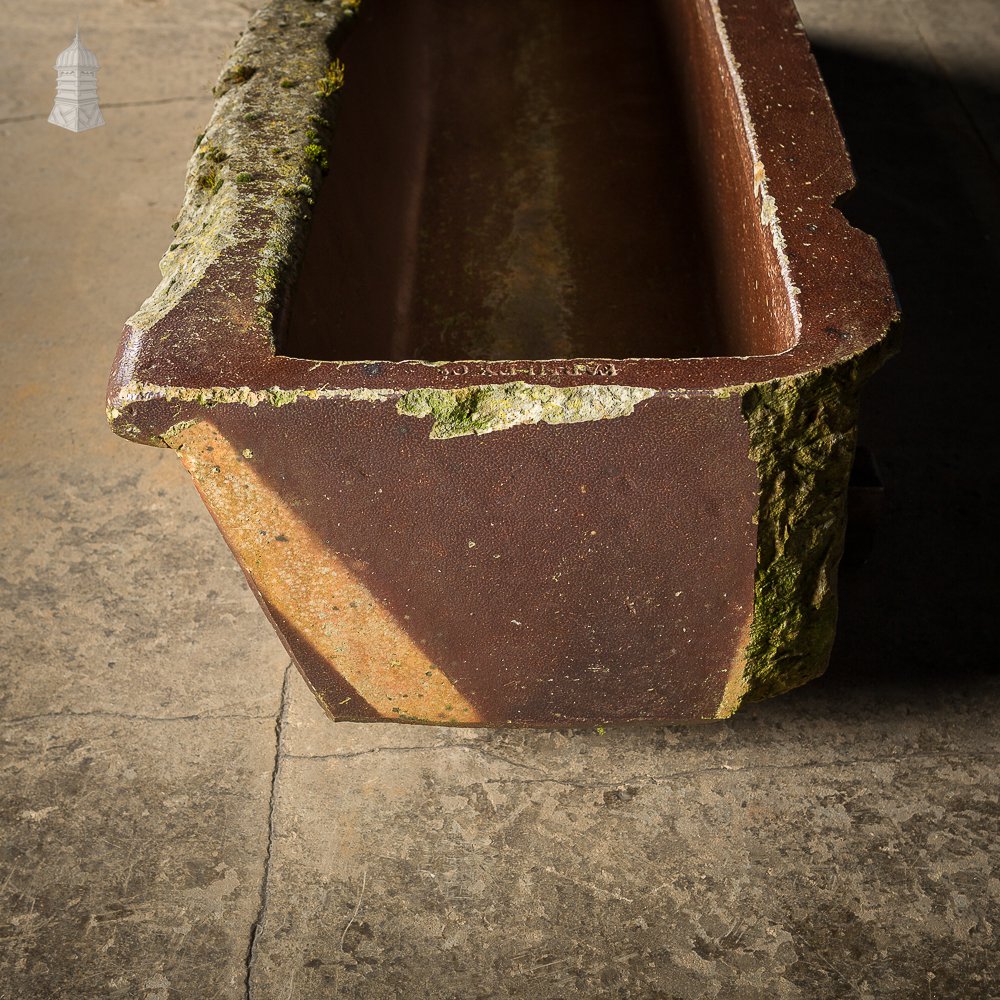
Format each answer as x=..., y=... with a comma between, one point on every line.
x=921, y=610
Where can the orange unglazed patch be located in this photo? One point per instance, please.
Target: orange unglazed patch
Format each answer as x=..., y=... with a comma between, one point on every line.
x=736, y=683
x=315, y=590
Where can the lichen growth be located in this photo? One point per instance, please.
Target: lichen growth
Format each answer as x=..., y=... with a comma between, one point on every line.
x=479, y=409
x=482, y=409
x=276, y=396
x=124, y=427
x=277, y=134
x=176, y=429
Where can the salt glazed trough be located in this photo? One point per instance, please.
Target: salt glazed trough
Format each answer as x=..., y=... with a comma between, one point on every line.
x=515, y=349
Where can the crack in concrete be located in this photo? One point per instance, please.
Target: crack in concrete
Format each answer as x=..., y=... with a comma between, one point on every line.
x=102, y=714
x=350, y=754
x=114, y=104
x=649, y=780
x=280, y=724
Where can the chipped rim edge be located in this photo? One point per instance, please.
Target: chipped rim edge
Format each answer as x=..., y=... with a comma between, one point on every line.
x=270, y=129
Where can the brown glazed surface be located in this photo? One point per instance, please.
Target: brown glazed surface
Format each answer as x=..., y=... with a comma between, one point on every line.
x=604, y=557
x=550, y=572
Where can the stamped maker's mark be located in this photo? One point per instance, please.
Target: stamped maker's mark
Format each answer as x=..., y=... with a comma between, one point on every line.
x=514, y=369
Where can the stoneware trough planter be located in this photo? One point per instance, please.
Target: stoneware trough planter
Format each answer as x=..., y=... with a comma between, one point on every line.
x=515, y=348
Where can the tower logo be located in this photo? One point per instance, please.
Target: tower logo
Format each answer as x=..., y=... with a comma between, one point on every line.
x=76, y=106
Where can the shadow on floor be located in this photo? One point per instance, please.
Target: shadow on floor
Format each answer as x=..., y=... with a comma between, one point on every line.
x=919, y=612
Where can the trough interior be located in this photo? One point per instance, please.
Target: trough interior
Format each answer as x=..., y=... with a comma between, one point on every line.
x=531, y=180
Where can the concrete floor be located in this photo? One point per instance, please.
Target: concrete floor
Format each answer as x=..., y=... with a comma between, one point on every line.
x=181, y=821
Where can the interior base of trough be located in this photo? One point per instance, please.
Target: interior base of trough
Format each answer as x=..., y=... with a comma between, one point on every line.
x=507, y=181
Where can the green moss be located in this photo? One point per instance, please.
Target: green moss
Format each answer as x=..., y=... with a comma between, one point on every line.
x=482, y=409
x=210, y=180
x=267, y=278
x=287, y=83
x=233, y=76
x=332, y=80
x=316, y=154
x=214, y=153
x=243, y=177
x=802, y=437
x=282, y=397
